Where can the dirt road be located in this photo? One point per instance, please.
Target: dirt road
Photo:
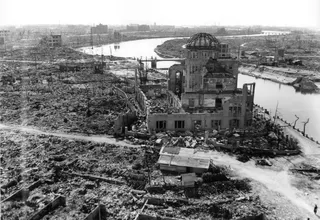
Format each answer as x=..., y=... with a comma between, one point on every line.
x=99, y=139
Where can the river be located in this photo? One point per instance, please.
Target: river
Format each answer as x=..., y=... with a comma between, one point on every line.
x=138, y=48
x=267, y=93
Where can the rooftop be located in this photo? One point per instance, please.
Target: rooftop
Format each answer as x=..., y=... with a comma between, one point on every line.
x=183, y=161
x=180, y=156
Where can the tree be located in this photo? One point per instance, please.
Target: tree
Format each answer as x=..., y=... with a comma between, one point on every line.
x=221, y=31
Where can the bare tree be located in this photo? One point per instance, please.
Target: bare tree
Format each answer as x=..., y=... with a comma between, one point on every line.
x=304, y=126
x=295, y=122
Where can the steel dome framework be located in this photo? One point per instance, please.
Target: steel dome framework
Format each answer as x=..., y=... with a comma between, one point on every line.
x=203, y=41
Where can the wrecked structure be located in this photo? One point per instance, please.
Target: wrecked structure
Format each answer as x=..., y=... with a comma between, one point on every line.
x=97, y=67
x=53, y=40
x=202, y=91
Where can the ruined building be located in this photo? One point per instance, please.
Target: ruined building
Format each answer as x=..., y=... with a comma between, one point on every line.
x=53, y=40
x=201, y=92
x=205, y=89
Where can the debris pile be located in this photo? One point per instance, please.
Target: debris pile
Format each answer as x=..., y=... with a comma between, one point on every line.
x=304, y=85
x=161, y=106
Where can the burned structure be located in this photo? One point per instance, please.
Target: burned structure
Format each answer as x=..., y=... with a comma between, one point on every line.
x=204, y=89
x=53, y=40
x=200, y=94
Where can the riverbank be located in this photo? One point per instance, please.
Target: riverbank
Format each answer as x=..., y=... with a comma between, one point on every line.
x=162, y=55
x=114, y=41
x=172, y=48
x=282, y=75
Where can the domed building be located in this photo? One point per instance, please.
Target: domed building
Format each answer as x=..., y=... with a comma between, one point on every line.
x=204, y=88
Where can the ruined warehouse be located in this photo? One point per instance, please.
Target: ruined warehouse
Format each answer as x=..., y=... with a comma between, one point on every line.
x=202, y=91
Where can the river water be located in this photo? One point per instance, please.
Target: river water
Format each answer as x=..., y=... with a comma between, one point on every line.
x=267, y=94
x=141, y=49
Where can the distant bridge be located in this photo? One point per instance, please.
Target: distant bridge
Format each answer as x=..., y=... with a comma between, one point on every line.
x=159, y=60
x=154, y=61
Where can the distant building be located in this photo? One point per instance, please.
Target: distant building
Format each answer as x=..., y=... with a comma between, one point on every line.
x=100, y=29
x=136, y=27
x=53, y=40
x=132, y=27
x=143, y=27
x=163, y=27
x=3, y=36
x=4, y=33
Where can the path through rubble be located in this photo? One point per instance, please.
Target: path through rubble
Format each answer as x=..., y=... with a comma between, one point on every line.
x=94, y=138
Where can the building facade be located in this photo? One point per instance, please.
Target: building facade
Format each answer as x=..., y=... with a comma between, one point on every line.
x=55, y=40
x=3, y=37
x=100, y=29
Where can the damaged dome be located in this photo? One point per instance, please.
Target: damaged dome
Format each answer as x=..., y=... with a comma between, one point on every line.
x=203, y=41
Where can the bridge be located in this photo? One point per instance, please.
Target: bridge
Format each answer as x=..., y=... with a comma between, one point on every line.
x=159, y=60
x=155, y=60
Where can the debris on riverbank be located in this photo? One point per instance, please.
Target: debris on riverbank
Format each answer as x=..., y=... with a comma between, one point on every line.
x=304, y=85
x=301, y=83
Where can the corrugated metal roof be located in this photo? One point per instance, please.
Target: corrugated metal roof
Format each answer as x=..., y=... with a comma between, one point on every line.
x=184, y=161
x=183, y=151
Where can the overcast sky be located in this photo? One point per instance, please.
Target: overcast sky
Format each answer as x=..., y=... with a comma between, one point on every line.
x=301, y=13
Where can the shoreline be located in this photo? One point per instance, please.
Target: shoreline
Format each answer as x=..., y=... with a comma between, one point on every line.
x=245, y=71
x=164, y=55
x=276, y=76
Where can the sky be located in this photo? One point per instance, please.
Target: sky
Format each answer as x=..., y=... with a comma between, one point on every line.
x=298, y=13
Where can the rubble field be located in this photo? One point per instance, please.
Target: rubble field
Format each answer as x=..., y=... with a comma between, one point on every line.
x=82, y=172
x=65, y=101
x=123, y=179
x=57, y=162
x=42, y=53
